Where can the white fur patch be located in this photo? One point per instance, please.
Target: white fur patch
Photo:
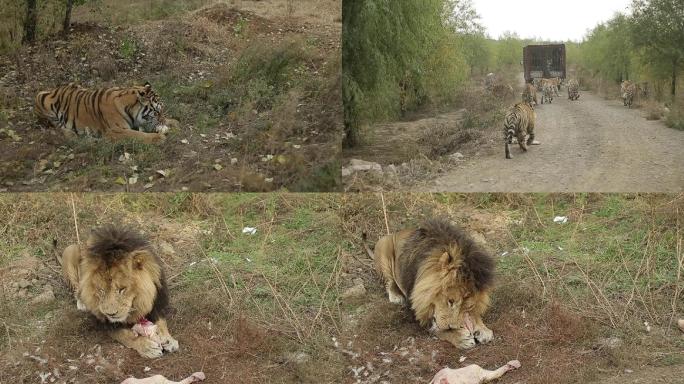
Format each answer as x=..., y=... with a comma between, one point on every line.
x=162, y=128
x=80, y=306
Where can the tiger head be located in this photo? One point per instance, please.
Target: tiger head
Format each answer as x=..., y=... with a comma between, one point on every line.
x=153, y=108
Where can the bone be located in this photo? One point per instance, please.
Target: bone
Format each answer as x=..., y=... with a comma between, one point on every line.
x=159, y=379
x=472, y=374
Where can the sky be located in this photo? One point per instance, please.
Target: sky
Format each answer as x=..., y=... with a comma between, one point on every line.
x=552, y=20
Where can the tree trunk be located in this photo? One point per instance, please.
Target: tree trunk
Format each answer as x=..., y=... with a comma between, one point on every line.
x=67, y=17
x=673, y=87
x=30, y=22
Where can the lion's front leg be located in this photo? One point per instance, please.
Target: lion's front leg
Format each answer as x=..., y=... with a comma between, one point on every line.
x=168, y=343
x=145, y=346
x=460, y=338
x=482, y=334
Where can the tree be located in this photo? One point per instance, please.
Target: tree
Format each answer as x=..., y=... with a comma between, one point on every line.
x=70, y=4
x=30, y=21
x=67, y=17
x=658, y=30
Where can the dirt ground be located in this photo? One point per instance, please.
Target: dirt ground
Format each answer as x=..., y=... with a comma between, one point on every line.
x=591, y=145
x=253, y=84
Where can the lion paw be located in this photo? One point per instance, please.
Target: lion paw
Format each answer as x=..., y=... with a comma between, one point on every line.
x=466, y=343
x=170, y=344
x=484, y=336
x=149, y=349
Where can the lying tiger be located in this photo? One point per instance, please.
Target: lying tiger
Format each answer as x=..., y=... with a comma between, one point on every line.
x=113, y=113
x=519, y=123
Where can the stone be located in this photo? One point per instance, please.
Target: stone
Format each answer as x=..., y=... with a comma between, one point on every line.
x=46, y=297
x=357, y=290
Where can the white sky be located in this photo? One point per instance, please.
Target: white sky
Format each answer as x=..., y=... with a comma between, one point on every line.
x=552, y=20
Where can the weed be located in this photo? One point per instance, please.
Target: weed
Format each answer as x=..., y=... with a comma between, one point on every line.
x=128, y=49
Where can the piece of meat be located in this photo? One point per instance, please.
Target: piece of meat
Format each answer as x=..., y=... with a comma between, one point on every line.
x=146, y=328
x=472, y=374
x=159, y=379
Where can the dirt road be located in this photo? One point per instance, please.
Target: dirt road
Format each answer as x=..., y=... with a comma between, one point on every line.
x=590, y=145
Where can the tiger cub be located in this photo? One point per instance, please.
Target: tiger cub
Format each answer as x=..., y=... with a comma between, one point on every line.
x=113, y=113
x=519, y=123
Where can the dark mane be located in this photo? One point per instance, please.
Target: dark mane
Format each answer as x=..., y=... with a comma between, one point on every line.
x=112, y=243
x=440, y=233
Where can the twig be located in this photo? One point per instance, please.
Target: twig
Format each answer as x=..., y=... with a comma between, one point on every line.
x=384, y=212
x=73, y=209
x=680, y=266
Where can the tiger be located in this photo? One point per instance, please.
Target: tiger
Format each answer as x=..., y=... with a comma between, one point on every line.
x=628, y=90
x=113, y=113
x=573, y=90
x=548, y=92
x=519, y=122
x=554, y=83
x=529, y=94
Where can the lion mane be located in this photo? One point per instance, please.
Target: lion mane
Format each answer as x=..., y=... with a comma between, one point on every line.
x=420, y=261
x=118, y=278
x=443, y=274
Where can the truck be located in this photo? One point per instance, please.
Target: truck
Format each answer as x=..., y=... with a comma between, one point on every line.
x=544, y=61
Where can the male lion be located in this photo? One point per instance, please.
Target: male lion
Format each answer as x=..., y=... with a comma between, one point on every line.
x=445, y=276
x=118, y=278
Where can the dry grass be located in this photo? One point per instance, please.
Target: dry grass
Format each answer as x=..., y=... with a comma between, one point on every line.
x=562, y=290
x=242, y=305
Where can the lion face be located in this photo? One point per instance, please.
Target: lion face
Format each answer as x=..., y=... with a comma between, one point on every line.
x=113, y=292
x=121, y=291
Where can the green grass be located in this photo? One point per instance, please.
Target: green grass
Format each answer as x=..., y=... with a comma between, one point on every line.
x=128, y=49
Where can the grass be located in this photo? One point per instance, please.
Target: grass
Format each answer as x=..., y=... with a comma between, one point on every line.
x=264, y=295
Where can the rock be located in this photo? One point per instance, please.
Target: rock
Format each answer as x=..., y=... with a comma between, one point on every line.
x=356, y=165
x=456, y=156
x=680, y=323
x=478, y=237
x=166, y=248
x=23, y=283
x=46, y=297
x=218, y=167
x=296, y=357
x=357, y=290
x=609, y=342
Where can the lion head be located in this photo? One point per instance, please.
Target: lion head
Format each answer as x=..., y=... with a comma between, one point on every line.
x=452, y=279
x=120, y=277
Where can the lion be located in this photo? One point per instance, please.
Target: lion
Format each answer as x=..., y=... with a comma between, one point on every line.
x=117, y=278
x=445, y=277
